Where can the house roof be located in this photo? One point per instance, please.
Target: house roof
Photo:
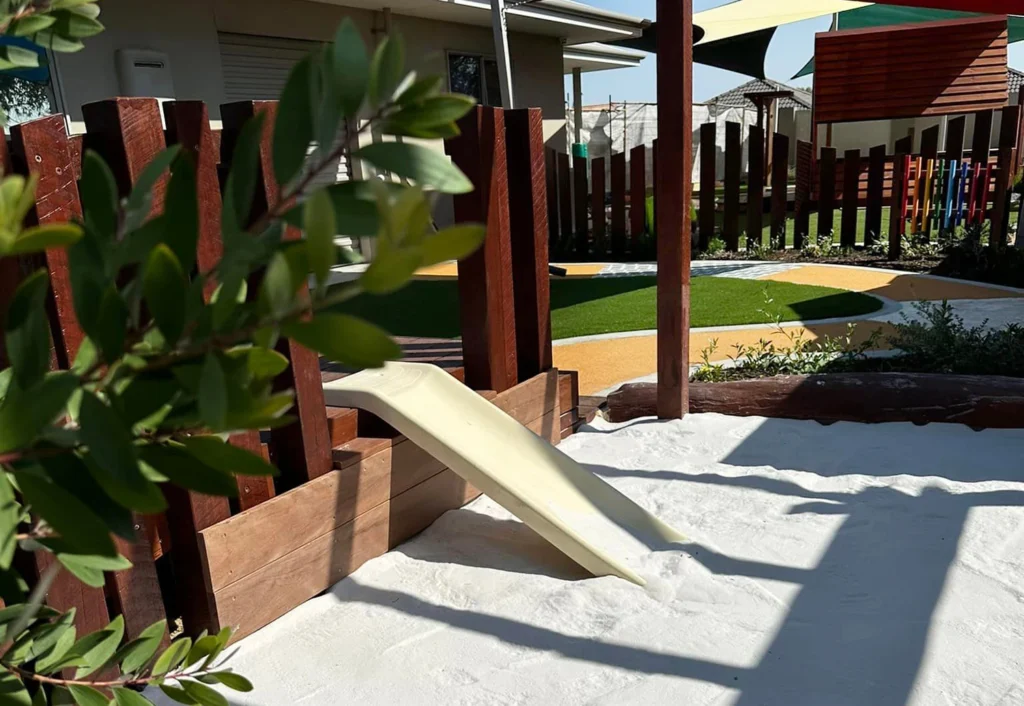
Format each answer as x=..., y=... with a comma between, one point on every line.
x=595, y=56
x=1016, y=80
x=736, y=98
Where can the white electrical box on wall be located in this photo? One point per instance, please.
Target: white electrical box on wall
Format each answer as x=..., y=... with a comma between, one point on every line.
x=144, y=73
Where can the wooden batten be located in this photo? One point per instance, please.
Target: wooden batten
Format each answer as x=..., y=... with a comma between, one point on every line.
x=381, y=493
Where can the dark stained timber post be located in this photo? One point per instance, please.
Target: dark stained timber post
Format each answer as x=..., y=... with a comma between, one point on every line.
x=826, y=192
x=597, y=210
x=733, y=165
x=618, y=236
x=524, y=135
x=1007, y=144
x=755, y=186
x=551, y=181
x=780, y=189
x=802, y=203
x=708, y=162
x=955, y=138
x=580, y=197
x=637, y=196
x=564, y=202
x=901, y=163
x=672, y=201
x=851, y=198
x=486, y=308
x=128, y=134
x=876, y=190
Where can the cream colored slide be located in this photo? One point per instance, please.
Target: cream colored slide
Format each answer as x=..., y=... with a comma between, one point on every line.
x=587, y=519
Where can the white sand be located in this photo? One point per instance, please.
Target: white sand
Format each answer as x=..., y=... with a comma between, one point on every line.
x=850, y=564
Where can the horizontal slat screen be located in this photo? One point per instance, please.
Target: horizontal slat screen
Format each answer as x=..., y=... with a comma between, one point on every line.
x=935, y=68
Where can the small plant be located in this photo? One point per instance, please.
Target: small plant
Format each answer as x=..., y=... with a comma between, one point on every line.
x=823, y=245
x=797, y=356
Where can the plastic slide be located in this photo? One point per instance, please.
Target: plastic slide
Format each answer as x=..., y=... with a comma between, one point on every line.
x=595, y=525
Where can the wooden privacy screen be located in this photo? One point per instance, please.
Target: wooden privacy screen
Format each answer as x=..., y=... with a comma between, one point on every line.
x=934, y=68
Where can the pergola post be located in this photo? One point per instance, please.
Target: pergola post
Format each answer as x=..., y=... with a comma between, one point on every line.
x=672, y=203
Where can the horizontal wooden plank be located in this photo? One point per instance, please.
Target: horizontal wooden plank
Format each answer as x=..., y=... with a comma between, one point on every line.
x=420, y=506
x=278, y=587
x=342, y=424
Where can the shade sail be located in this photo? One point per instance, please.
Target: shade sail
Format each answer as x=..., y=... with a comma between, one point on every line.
x=890, y=15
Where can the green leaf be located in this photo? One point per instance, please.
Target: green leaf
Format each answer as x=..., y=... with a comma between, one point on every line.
x=39, y=698
x=213, y=393
x=262, y=363
x=10, y=515
x=49, y=635
x=204, y=695
x=232, y=681
x=139, y=651
x=98, y=191
x=277, y=292
x=355, y=217
x=74, y=520
x=108, y=329
x=140, y=201
x=201, y=649
x=87, y=696
x=421, y=89
x=14, y=56
x=89, y=569
x=45, y=664
x=172, y=656
x=68, y=471
x=183, y=470
x=227, y=458
x=12, y=691
x=436, y=112
x=351, y=66
x=97, y=648
x=112, y=459
x=345, y=339
x=176, y=694
x=24, y=413
x=127, y=697
x=165, y=286
x=27, y=330
x=386, y=69
x=293, y=127
x=53, y=41
x=390, y=271
x=76, y=26
x=39, y=238
x=241, y=183
x=423, y=165
x=27, y=26
x=181, y=211
x=320, y=230
x=452, y=243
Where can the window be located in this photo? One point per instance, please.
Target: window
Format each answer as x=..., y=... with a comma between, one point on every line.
x=475, y=76
x=26, y=94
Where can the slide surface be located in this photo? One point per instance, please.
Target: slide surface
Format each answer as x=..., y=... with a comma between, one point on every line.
x=587, y=519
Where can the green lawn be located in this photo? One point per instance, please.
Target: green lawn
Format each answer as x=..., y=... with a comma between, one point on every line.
x=591, y=306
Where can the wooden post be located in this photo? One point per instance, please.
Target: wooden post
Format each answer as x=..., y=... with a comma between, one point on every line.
x=673, y=185
x=597, y=212
x=618, y=205
x=802, y=199
x=637, y=196
x=524, y=135
x=851, y=198
x=1007, y=143
x=127, y=132
x=905, y=145
x=901, y=163
x=302, y=451
x=876, y=188
x=981, y=145
x=733, y=164
x=929, y=153
x=780, y=190
x=551, y=181
x=755, y=186
x=955, y=138
x=827, y=192
x=485, y=278
x=580, y=198
x=708, y=164
x=42, y=147
x=564, y=202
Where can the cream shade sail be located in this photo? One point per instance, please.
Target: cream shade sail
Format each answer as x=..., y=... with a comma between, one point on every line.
x=745, y=16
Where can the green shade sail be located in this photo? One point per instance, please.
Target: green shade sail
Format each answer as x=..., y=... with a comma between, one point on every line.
x=888, y=15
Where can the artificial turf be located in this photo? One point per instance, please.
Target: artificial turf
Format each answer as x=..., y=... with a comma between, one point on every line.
x=582, y=307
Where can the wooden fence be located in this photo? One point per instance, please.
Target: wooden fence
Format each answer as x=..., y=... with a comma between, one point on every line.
x=930, y=191
x=350, y=487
